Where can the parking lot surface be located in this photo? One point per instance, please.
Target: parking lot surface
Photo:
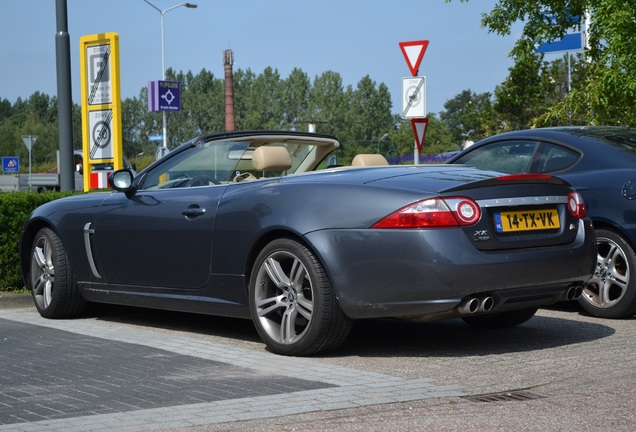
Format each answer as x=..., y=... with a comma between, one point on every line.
x=130, y=369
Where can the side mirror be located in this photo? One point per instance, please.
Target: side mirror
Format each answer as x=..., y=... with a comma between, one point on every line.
x=121, y=180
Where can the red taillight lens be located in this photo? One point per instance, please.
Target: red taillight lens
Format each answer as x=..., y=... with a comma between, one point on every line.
x=467, y=211
x=433, y=213
x=576, y=206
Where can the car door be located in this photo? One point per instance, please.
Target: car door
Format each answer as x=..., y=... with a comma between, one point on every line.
x=161, y=236
x=157, y=238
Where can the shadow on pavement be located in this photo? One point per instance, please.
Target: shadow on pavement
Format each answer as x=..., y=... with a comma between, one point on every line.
x=386, y=337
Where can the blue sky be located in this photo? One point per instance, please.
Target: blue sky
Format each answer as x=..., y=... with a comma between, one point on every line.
x=352, y=37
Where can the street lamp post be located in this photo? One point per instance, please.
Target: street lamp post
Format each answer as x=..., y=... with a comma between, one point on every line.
x=163, y=57
x=381, y=138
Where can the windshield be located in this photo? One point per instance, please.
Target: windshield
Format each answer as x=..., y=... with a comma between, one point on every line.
x=221, y=162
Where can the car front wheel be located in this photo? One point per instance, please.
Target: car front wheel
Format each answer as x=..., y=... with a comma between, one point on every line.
x=51, y=279
x=611, y=292
x=294, y=308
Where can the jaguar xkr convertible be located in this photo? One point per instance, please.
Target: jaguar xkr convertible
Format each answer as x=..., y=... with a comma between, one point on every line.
x=255, y=225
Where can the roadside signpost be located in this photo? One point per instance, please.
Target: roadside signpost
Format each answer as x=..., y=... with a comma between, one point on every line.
x=29, y=141
x=10, y=164
x=574, y=40
x=419, y=125
x=101, y=103
x=414, y=93
x=164, y=96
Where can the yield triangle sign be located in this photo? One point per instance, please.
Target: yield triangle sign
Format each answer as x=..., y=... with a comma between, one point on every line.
x=419, y=126
x=413, y=53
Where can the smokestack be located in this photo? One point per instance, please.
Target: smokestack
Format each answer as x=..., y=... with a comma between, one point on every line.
x=228, y=61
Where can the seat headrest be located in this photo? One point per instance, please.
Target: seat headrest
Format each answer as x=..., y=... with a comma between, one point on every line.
x=369, y=160
x=270, y=158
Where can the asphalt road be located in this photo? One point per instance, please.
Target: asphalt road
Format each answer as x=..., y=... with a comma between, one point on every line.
x=130, y=369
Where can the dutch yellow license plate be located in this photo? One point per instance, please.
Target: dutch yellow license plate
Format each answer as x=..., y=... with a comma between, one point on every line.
x=527, y=220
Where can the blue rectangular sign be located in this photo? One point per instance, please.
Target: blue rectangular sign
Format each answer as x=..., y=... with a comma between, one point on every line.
x=569, y=42
x=10, y=164
x=155, y=137
x=164, y=96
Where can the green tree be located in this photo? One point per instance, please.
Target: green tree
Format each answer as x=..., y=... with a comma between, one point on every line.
x=328, y=104
x=370, y=110
x=520, y=98
x=608, y=96
x=466, y=116
x=264, y=108
x=295, y=99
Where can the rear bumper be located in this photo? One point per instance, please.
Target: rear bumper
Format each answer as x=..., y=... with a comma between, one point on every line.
x=427, y=273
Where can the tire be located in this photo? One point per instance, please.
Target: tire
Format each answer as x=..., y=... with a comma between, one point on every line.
x=611, y=292
x=293, y=306
x=51, y=279
x=501, y=320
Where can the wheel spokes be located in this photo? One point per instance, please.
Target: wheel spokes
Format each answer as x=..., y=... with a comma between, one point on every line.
x=276, y=273
x=269, y=305
x=611, y=278
x=43, y=272
x=283, y=303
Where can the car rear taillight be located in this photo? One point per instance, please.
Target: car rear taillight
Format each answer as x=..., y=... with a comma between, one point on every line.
x=524, y=177
x=576, y=206
x=434, y=213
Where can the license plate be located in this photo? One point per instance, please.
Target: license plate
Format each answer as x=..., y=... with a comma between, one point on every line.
x=527, y=220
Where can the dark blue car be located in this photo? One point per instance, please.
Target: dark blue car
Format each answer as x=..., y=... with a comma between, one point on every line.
x=600, y=163
x=247, y=225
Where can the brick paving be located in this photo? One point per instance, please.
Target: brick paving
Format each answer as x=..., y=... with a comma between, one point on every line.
x=92, y=375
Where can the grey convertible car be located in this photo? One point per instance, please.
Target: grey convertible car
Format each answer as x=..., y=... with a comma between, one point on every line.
x=252, y=225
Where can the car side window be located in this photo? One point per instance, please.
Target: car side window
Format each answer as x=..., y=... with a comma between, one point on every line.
x=514, y=157
x=553, y=158
x=206, y=164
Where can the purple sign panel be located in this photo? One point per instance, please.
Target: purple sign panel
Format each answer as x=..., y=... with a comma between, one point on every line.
x=164, y=96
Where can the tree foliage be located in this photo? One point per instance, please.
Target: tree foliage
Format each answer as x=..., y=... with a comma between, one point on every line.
x=359, y=116
x=607, y=95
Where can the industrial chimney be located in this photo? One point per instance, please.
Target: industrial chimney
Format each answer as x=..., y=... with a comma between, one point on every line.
x=228, y=61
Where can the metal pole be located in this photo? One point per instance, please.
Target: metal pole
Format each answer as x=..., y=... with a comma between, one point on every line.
x=416, y=155
x=30, y=189
x=163, y=65
x=163, y=77
x=377, y=150
x=65, y=169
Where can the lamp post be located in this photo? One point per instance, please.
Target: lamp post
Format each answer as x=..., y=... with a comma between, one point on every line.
x=163, y=58
x=380, y=139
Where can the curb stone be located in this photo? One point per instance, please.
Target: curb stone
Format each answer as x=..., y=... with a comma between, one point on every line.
x=15, y=301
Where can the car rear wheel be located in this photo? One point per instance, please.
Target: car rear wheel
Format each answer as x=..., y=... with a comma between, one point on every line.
x=51, y=279
x=611, y=292
x=501, y=320
x=293, y=305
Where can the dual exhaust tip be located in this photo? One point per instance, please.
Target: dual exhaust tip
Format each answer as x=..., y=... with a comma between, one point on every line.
x=574, y=292
x=473, y=305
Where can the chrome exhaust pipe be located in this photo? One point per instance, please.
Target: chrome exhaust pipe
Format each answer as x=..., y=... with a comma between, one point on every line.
x=574, y=292
x=468, y=306
x=486, y=304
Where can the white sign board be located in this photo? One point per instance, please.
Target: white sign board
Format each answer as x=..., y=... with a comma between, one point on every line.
x=29, y=141
x=414, y=97
x=100, y=128
x=98, y=73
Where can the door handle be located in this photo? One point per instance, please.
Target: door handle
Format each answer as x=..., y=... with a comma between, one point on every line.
x=193, y=211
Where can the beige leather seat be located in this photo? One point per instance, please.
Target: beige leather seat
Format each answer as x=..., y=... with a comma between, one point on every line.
x=363, y=160
x=266, y=158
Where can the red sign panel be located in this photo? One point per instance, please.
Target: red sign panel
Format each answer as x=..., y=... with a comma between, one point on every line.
x=419, y=126
x=413, y=53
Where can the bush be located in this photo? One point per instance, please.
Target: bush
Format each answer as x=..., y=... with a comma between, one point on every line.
x=15, y=207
